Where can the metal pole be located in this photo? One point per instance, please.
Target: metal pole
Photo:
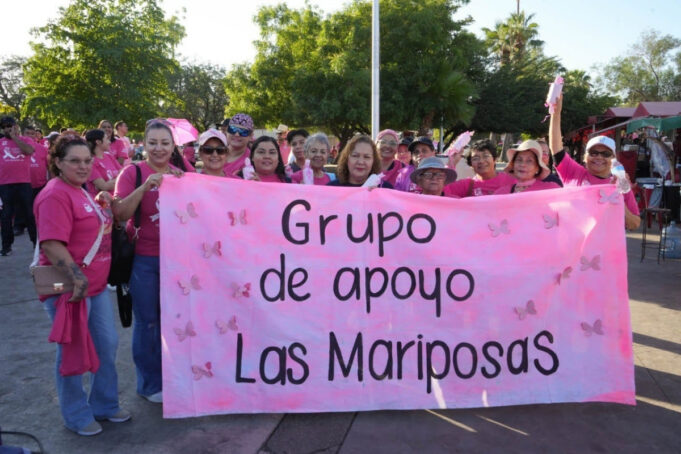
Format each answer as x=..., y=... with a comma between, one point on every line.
x=375, y=70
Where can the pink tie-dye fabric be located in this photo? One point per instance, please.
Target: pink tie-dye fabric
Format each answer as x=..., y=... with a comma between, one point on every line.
x=490, y=301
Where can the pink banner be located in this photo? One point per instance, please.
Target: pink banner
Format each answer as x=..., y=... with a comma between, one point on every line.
x=293, y=298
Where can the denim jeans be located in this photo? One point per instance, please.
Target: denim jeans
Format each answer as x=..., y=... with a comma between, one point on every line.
x=77, y=408
x=146, y=325
x=16, y=197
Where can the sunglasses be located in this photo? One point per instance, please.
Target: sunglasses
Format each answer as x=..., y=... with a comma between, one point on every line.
x=605, y=154
x=210, y=150
x=234, y=130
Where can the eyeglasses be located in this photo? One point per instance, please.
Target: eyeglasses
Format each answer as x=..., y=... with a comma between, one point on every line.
x=605, y=154
x=480, y=157
x=434, y=176
x=243, y=132
x=210, y=150
x=390, y=143
x=77, y=162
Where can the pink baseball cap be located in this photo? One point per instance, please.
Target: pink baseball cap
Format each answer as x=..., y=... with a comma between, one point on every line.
x=212, y=134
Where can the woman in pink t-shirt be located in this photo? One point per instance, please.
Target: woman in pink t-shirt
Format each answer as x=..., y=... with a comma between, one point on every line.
x=117, y=148
x=386, y=142
x=104, y=167
x=600, y=151
x=267, y=161
x=144, y=281
x=213, y=152
x=69, y=225
x=316, y=149
x=529, y=169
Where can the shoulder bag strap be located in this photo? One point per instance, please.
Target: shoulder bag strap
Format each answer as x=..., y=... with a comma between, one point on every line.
x=138, y=210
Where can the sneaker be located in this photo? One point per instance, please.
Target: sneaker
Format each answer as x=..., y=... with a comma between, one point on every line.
x=156, y=398
x=112, y=288
x=121, y=416
x=91, y=429
x=6, y=252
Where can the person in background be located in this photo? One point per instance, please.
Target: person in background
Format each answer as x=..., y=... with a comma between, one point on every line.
x=296, y=139
x=600, y=151
x=213, y=152
x=121, y=128
x=420, y=148
x=145, y=279
x=284, y=146
x=527, y=166
x=239, y=134
x=267, y=162
x=224, y=125
x=69, y=224
x=189, y=153
x=116, y=147
x=105, y=168
x=357, y=162
x=387, y=141
x=482, y=158
x=403, y=154
x=432, y=175
x=316, y=149
x=39, y=176
x=547, y=159
x=15, y=182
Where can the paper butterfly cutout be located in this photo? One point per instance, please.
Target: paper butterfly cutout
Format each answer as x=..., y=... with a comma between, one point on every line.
x=524, y=311
x=187, y=287
x=594, y=263
x=242, y=290
x=205, y=371
x=185, y=215
x=613, y=198
x=234, y=220
x=564, y=275
x=209, y=250
x=498, y=230
x=224, y=327
x=596, y=328
x=550, y=221
x=188, y=331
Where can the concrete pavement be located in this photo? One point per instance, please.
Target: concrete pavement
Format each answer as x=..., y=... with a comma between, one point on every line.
x=28, y=400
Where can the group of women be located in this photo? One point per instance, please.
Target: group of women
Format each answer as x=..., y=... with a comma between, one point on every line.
x=69, y=220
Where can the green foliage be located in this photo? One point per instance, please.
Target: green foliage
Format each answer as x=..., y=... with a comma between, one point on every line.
x=11, y=83
x=199, y=95
x=649, y=72
x=516, y=38
x=102, y=59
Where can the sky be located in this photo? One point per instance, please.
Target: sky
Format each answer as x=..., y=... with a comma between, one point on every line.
x=583, y=34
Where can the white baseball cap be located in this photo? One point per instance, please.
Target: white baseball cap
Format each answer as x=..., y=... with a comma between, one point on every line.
x=601, y=140
x=210, y=134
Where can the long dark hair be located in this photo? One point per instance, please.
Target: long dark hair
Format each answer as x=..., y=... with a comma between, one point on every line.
x=176, y=159
x=92, y=136
x=280, y=170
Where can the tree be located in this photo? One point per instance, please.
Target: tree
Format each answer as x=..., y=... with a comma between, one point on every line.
x=11, y=84
x=647, y=72
x=102, y=59
x=514, y=39
x=199, y=93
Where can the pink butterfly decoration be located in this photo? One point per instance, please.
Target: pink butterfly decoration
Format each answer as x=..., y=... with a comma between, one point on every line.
x=594, y=263
x=613, y=198
x=550, y=221
x=215, y=249
x=234, y=219
x=498, y=230
x=224, y=327
x=596, y=328
x=522, y=312
x=188, y=331
x=242, y=290
x=205, y=371
x=187, y=287
x=564, y=275
x=185, y=215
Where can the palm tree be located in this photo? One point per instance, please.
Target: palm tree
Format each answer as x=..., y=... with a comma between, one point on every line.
x=511, y=40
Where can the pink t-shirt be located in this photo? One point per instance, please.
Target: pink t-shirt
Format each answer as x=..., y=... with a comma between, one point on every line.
x=285, y=150
x=188, y=165
x=462, y=188
x=297, y=178
x=272, y=178
x=189, y=153
x=574, y=174
x=15, y=167
x=105, y=168
x=148, y=236
x=538, y=185
x=64, y=213
x=403, y=181
x=119, y=149
x=392, y=173
x=232, y=168
x=38, y=165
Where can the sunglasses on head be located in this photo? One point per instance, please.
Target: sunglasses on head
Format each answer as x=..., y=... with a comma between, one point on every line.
x=605, y=154
x=234, y=130
x=210, y=150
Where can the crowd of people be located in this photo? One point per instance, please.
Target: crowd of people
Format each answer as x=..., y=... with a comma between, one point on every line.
x=86, y=184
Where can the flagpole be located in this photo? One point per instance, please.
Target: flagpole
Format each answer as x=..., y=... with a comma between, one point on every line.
x=375, y=71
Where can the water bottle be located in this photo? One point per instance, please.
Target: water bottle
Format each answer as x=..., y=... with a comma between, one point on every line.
x=308, y=173
x=288, y=171
x=248, y=169
x=620, y=174
x=672, y=245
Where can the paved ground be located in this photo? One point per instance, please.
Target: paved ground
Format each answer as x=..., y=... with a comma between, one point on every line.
x=28, y=399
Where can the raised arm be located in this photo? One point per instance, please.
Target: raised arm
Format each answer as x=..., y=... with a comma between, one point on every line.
x=555, y=136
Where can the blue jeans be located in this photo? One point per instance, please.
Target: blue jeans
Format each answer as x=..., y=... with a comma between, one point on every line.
x=146, y=327
x=77, y=408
